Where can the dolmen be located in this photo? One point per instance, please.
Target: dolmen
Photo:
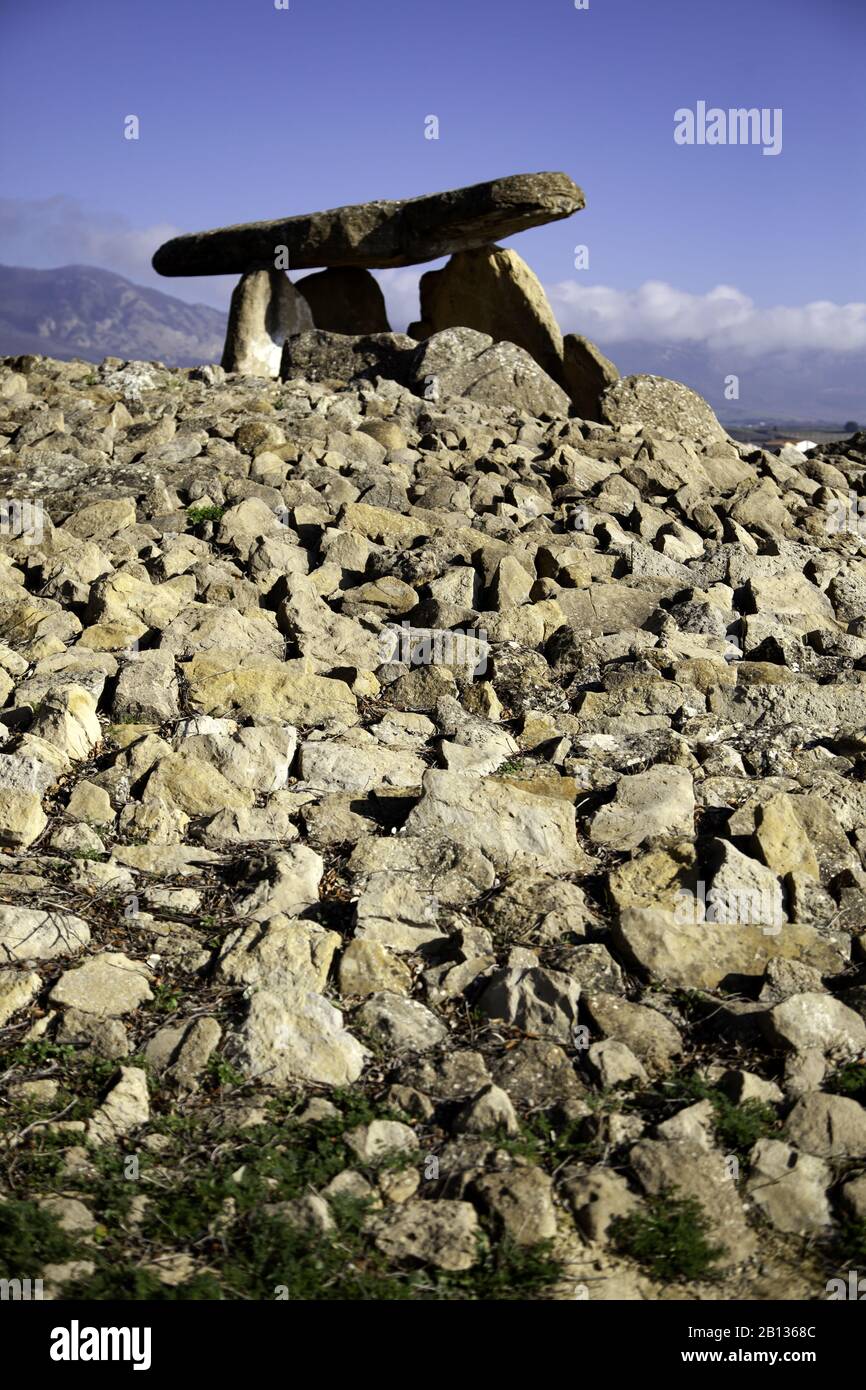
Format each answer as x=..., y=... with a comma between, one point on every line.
x=280, y=328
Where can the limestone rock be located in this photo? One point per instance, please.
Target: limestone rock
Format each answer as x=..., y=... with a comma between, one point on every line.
x=790, y=1187
x=654, y=402
x=461, y=362
x=510, y=826
x=647, y=805
x=26, y=933
x=492, y=290
x=828, y=1126
x=543, y=1002
x=108, y=985
x=297, y=1036
x=125, y=1108
x=345, y=300
x=403, y=1024
x=265, y=310
x=443, y=1234
x=805, y=1021
x=586, y=374
x=379, y=233
x=699, y=954
x=22, y=819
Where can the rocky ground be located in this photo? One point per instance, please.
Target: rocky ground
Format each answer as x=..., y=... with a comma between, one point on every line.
x=434, y=837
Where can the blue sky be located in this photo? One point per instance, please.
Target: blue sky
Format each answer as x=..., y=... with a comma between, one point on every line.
x=251, y=112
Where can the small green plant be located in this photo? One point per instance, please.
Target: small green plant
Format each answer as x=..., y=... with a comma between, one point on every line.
x=510, y=766
x=850, y=1081
x=196, y=515
x=547, y=1141
x=223, y=1074
x=166, y=998
x=669, y=1237
x=737, y=1127
x=29, y=1239
x=851, y=1242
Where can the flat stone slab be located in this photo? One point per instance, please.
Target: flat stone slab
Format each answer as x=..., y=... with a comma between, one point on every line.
x=379, y=234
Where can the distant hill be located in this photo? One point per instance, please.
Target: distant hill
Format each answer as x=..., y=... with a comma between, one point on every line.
x=81, y=311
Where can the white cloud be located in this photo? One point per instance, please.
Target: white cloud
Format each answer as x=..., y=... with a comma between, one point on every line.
x=724, y=318
x=48, y=232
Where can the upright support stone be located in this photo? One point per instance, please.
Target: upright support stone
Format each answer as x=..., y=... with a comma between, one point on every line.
x=345, y=299
x=266, y=309
x=492, y=290
x=588, y=373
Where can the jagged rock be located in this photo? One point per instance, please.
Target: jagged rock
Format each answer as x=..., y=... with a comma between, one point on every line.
x=461, y=362
x=649, y=1035
x=543, y=1002
x=368, y=968
x=699, y=954
x=597, y=1198
x=381, y=1138
x=403, y=1024
x=319, y=355
x=125, y=1108
x=297, y=1036
x=790, y=1188
x=380, y=233
x=283, y=954
x=520, y=1202
x=488, y=1112
x=828, y=1126
x=647, y=805
x=510, y=826
x=17, y=988
x=806, y=1021
x=443, y=1234
x=654, y=402
x=225, y=684
x=682, y=1165
x=22, y=819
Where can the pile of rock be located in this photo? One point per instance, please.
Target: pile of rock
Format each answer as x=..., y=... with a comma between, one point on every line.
x=492, y=763
x=483, y=287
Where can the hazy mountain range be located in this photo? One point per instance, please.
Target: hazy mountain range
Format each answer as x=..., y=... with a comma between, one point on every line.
x=82, y=311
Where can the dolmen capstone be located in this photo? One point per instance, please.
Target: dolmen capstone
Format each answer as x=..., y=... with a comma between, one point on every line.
x=277, y=327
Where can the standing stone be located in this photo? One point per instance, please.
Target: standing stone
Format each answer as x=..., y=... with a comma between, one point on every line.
x=587, y=375
x=492, y=290
x=266, y=309
x=345, y=299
